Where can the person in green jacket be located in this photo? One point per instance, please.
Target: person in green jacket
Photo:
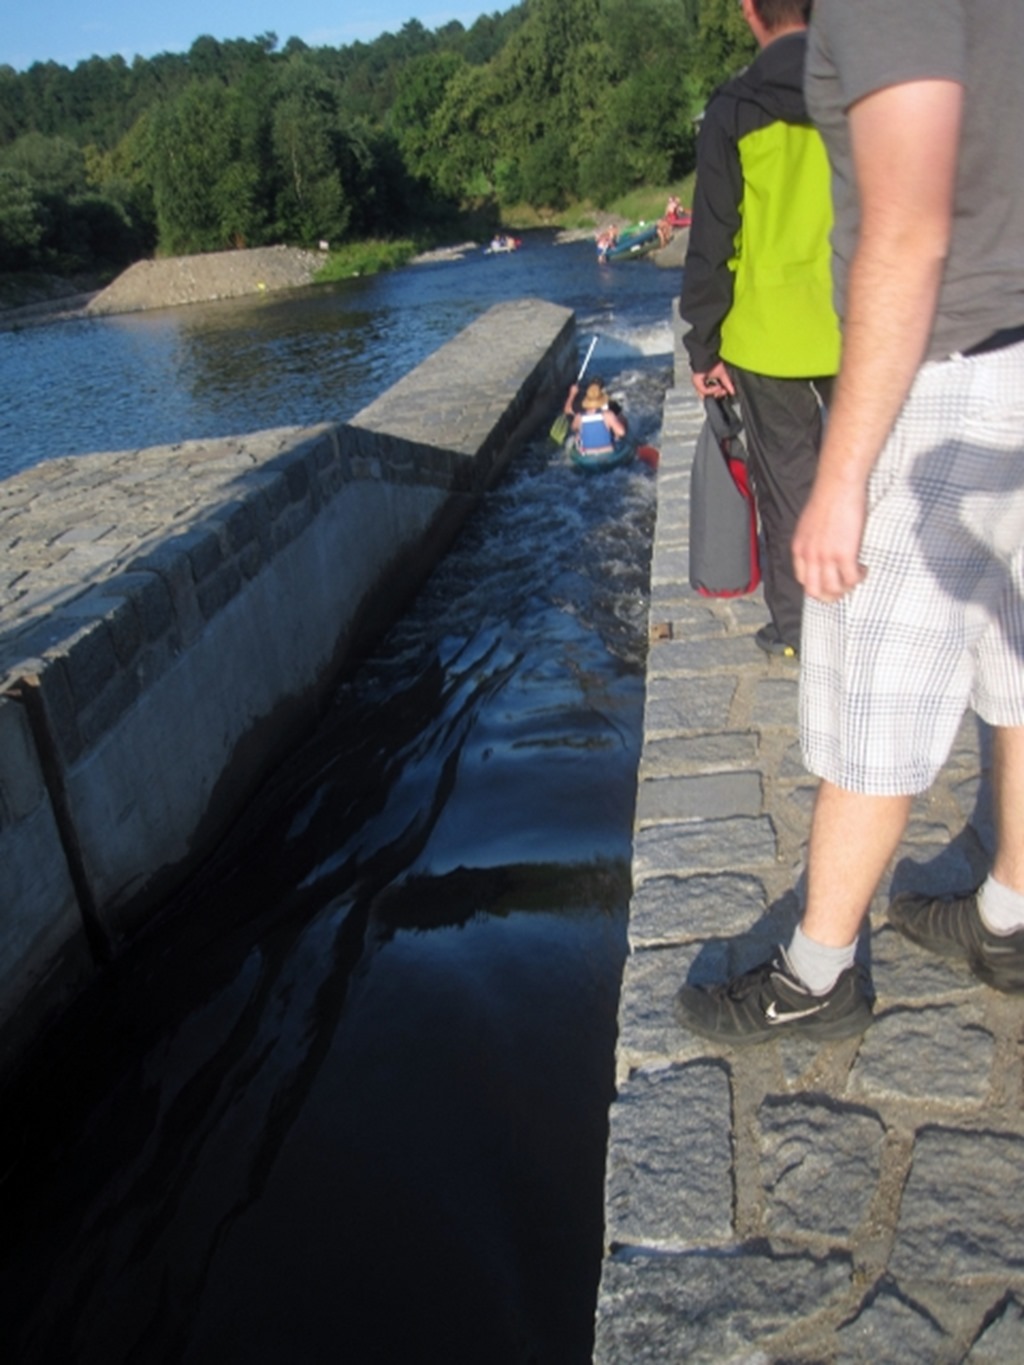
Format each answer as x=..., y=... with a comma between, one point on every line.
x=757, y=286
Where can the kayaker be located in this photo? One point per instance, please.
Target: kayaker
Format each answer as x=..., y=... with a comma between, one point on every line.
x=598, y=424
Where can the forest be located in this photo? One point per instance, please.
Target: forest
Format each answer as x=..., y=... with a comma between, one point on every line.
x=250, y=142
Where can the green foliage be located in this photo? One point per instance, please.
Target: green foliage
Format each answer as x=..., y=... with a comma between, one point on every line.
x=412, y=115
x=53, y=164
x=204, y=171
x=724, y=44
x=21, y=225
x=309, y=149
x=244, y=141
x=366, y=258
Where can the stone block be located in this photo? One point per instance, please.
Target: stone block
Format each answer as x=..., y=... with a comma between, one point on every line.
x=959, y=1215
x=710, y=1307
x=669, y=1174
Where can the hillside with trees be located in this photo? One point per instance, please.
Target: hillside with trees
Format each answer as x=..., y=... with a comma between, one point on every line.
x=248, y=142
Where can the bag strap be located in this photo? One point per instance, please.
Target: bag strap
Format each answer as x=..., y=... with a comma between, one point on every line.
x=723, y=418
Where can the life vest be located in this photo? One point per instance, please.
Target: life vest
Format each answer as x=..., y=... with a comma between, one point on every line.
x=593, y=436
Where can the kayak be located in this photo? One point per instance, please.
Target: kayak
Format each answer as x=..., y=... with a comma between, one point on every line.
x=631, y=243
x=622, y=452
x=502, y=244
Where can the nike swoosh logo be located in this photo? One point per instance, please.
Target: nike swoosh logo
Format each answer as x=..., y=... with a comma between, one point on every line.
x=774, y=1017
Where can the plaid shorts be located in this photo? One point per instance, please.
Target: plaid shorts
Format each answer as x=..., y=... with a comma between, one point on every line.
x=937, y=625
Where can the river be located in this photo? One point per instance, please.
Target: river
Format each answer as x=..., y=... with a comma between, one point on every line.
x=347, y=1101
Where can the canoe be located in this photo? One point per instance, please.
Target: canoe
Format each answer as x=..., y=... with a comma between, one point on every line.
x=620, y=452
x=623, y=451
x=500, y=245
x=631, y=243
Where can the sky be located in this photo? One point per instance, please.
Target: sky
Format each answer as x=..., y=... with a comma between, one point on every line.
x=69, y=31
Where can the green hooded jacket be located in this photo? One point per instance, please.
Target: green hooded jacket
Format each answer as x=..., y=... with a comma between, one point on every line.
x=757, y=281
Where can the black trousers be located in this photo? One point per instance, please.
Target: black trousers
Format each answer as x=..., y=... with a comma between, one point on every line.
x=783, y=420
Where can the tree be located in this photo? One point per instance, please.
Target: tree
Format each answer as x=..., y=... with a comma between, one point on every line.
x=319, y=158
x=423, y=90
x=205, y=173
x=724, y=44
x=21, y=221
x=52, y=164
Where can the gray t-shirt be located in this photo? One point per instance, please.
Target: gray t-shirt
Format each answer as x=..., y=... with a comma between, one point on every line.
x=856, y=47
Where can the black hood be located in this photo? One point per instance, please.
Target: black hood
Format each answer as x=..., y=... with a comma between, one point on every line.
x=774, y=81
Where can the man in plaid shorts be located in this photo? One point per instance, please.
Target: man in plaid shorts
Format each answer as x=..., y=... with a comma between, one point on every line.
x=911, y=547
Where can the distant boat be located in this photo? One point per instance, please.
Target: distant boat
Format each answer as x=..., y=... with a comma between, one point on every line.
x=500, y=244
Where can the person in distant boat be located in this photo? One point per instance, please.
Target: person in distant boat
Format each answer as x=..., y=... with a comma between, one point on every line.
x=598, y=424
x=606, y=239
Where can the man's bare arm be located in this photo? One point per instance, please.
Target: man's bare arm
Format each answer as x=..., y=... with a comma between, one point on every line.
x=905, y=140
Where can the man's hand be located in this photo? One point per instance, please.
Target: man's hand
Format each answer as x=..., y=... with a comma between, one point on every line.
x=826, y=544
x=714, y=382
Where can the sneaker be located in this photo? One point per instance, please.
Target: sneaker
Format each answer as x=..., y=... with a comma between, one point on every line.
x=769, y=1000
x=769, y=639
x=954, y=928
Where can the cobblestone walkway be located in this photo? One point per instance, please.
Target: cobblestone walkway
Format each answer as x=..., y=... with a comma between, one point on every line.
x=856, y=1201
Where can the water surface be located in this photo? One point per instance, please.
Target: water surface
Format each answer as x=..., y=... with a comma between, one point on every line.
x=348, y=1099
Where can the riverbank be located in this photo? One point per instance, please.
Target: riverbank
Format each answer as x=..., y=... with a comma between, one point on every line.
x=176, y=280
x=172, y=281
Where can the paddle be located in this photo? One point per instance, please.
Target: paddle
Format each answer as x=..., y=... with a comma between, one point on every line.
x=560, y=426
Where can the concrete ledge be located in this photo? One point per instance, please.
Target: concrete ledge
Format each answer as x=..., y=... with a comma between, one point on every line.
x=44, y=949
x=175, y=617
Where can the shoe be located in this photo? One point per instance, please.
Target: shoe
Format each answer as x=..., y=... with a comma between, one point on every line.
x=769, y=1000
x=769, y=639
x=954, y=928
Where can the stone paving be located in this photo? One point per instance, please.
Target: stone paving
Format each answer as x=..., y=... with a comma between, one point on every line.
x=847, y=1202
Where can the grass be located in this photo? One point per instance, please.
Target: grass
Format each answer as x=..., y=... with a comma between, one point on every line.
x=366, y=258
x=646, y=204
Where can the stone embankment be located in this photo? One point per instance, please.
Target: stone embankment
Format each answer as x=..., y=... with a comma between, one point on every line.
x=172, y=281
x=172, y=619
x=854, y=1202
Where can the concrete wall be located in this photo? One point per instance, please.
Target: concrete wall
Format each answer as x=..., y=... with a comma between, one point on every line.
x=154, y=673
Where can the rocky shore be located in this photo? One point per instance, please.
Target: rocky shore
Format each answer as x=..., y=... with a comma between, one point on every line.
x=178, y=280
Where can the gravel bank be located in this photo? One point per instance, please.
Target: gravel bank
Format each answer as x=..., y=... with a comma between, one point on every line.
x=203, y=279
x=177, y=280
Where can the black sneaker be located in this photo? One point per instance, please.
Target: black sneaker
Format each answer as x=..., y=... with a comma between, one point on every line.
x=769, y=1000
x=769, y=639
x=954, y=928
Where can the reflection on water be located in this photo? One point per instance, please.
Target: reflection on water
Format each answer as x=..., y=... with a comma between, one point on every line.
x=315, y=355
x=349, y=1099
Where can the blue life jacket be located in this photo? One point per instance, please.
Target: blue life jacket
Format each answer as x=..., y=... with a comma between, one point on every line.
x=593, y=437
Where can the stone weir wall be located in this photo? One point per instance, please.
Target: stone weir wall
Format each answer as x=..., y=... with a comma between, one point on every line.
x=172, y=619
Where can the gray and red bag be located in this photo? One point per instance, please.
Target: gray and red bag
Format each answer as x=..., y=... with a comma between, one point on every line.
x=724, y=559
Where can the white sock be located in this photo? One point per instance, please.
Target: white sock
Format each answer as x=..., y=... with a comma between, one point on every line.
x=1001, y=908
x=818, y=966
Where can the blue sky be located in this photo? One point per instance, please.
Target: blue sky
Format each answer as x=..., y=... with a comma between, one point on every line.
x=68, y=31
